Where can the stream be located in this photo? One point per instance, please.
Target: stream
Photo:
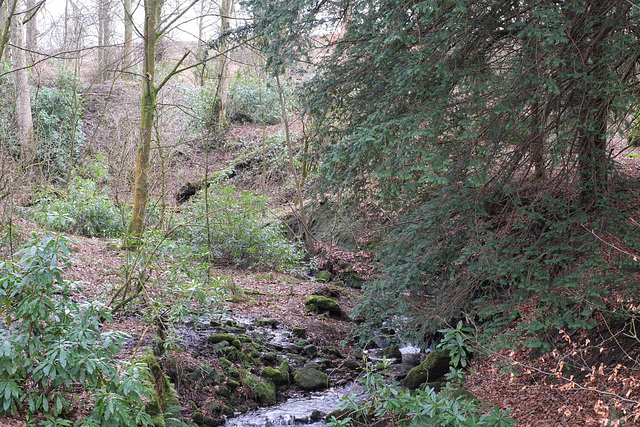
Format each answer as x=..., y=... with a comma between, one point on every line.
x=300, y=411
x=310, y=410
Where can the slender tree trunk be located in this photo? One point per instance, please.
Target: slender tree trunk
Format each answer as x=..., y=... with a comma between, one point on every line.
x=128, y=40
x=23, y=96
x=7, y=10
x=202, y=70
x=308, y=238
x=32, y=29
x=538, y=139
x=149, y=97
x=226, y=8
x=104, y=10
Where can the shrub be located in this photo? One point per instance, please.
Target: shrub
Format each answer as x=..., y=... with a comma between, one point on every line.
x=386, y=401
x=57, y=118
x=243, y=105
x=92, y=212
x=229, y=224
x=50, y=345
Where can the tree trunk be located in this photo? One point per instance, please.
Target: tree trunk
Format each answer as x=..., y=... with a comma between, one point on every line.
x=226, y=8
x=32, y=29
x=308, y=238
x=103, y=38
x=149, y=96
x=7, y=10
x=128, y=40
x=23, y=96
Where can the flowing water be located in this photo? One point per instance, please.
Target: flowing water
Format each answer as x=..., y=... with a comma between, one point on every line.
x=310, y=410
x=307, y=411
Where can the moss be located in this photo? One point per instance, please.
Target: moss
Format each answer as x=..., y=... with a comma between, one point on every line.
x=299, y=332
x=323, y=276
x=270, y=322
x=320, y=304
x=311, y=379
x=274, y=375
x=434, y=366
x=230, y=338
x=165, y=395
x=266, y=392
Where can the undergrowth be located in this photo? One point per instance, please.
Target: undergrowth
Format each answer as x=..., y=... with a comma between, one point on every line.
x=227, y=224
x=51, y=345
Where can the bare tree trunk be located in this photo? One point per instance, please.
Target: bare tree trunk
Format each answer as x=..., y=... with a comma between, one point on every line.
x=128, y=40
x=23, y=97
x=226, y=8
x=200, y=52
x=149, y=96
x=308, y=238
x=7, y=10
x=32, y=29
x=104, y=17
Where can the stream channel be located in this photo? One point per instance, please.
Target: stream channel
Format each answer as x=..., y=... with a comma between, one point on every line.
x=294, y=406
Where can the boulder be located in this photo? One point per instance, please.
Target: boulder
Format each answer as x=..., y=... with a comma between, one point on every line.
x=320, y=304
x=231, y=339
x=434, y=366
x=274, y=375
x=299, y=332
x=266, y=392
x=310, y=379
x=323, y=276
x=393, y=352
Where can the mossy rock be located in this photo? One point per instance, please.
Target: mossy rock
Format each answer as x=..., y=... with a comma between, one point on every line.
x=434, y=367
x=245, y=338
x=459, y=393
x=270, y=322
x=392, y=352
x=352, y=279
x=270, y=357
x=332, y=352
x=203, y=421
x=231, y=339
x=310, y=379
x=310, y=350
x=266, y=392
x=284, y=370
x=320, y=304
x=323, y=276
x=274, y=375
x=299, y=332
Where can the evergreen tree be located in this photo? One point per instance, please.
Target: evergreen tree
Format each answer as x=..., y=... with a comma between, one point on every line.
x=486, y=127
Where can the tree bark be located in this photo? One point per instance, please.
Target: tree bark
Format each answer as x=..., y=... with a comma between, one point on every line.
x=128, y=40
x=23, y=96
x=226, y=8
x=104, y=18
x=149, y=96
x=308, y=238
x=7, y=10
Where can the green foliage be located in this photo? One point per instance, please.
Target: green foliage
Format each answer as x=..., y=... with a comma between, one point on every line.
x=245, y=94
x=90, y=210
x=485, y=131
x=51, y=344
x=227, y=224
x=243, y=103
x=202, y=104
x=8, y=122
x=398, y=406
x=58, y=124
